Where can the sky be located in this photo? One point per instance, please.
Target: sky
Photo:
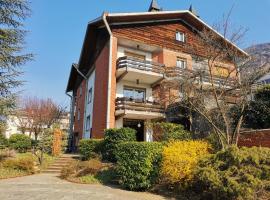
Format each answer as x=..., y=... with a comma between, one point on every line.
x=57, y=28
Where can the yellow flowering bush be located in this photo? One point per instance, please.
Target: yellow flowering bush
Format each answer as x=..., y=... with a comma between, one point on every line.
x=180, y=158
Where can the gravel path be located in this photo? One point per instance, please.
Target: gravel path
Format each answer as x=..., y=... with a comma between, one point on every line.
x=50, y=187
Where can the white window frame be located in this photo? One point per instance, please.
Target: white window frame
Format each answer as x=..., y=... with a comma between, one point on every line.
x=180, y=36
x=90, y=95
x=87, y=123
x=181, y=63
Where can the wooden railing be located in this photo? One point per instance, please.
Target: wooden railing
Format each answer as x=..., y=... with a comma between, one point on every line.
x=135, y=63
x=202, y=76
x=123, y=103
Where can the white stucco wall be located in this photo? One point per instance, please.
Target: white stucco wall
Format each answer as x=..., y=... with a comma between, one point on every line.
x=121, y=52
x=89, y=105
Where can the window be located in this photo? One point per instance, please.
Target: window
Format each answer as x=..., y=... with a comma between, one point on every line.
x=180, y=36
x=90, y=95
x=79, y=115
x=134, y=55
x=181, y=63
x=134, y=93
x=221, y=71
x=87, y=124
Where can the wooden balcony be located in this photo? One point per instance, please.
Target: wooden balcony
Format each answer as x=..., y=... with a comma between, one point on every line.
x=132, y=69
x=138, y=109
x=200, y=76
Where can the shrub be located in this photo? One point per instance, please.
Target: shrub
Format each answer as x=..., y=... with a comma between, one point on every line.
x=3, y=141
x=113, y=137
x=6, y=153
x=90, y=147
x=165, y=131
x=234, y=174
x=20, y=142
x=138, y=164
x=24, y=164
x=180, y=158
x=214, y=141
x=82, y=168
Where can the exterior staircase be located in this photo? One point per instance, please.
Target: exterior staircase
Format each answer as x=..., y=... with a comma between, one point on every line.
x=59, y=163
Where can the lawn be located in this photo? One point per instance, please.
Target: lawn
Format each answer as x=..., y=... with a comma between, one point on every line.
x=23, y=164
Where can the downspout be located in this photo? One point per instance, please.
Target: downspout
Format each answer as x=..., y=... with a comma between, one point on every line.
x=71, y=122
x=110, y=71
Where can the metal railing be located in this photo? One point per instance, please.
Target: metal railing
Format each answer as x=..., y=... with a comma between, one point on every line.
x=124, y=103
x=144, y=65
x=199, y=75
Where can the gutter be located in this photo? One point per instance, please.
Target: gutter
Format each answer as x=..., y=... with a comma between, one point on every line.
x=110, y=71
x=79, y=72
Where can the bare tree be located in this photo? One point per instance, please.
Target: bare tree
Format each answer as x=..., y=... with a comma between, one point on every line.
x=218, y=81
x=36, y=114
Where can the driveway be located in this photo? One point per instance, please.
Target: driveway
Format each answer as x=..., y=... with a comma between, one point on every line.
x=50, y=187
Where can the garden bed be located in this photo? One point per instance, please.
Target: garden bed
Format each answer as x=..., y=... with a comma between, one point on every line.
x=92, y=171
x=22, y=164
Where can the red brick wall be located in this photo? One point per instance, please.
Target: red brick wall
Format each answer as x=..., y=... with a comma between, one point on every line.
x=80, y=100
x=100, y=94
x=255, y=138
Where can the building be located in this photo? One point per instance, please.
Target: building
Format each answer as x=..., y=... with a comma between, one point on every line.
x=21, y=125
x=265, y=80
x=116, y=81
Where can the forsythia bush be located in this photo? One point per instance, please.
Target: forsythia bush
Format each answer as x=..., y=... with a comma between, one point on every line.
x=180, y=158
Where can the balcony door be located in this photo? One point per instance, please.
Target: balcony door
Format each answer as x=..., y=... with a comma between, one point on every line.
x=135, y=55
x=137, y=125
x=134, y=94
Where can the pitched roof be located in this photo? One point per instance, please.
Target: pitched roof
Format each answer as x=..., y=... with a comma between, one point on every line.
x=89, y=45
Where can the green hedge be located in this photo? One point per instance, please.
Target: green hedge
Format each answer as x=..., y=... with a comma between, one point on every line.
x=20, y=142
x=89, y=148
x=113, y=137
x=234, y=174
x=174, y=132
x=138, y=164
x=3, y=141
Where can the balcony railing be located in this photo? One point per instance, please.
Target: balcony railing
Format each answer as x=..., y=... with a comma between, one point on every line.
x=124, y=103
x=200, y=76
x=144, y=65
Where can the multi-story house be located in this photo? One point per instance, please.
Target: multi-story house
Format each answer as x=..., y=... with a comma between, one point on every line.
x=124, y=55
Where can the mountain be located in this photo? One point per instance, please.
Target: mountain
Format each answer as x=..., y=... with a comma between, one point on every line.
x=261, y=55
x=261, y=52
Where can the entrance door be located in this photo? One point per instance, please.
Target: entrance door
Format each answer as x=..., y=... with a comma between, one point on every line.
x=138, y=125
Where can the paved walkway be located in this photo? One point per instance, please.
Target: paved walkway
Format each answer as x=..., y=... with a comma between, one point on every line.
x=49, y=187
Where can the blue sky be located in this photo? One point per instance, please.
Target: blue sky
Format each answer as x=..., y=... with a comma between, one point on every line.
x=57, y=27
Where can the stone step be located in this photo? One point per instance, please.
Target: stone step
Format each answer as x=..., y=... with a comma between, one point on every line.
x=55, y=167
x=51, y=171
x=60, y=162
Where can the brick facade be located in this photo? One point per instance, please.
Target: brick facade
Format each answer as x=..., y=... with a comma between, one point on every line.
x=255, y=138
x=79, y=103
x=100, y=96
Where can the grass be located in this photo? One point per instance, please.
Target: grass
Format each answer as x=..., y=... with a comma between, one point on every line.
x=11, y=173
x=89, y=172
x=9, y=168
x=88, y=179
